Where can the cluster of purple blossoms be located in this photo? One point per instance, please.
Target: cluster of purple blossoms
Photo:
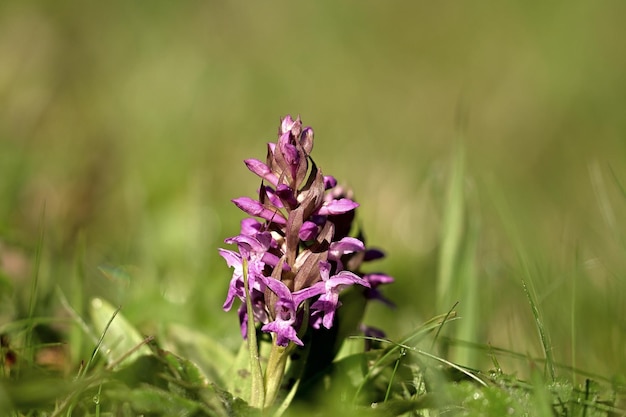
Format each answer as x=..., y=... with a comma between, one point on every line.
x=296, y=248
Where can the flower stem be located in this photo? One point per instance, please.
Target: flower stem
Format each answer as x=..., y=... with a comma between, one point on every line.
x=257, y=394
x=274, y=372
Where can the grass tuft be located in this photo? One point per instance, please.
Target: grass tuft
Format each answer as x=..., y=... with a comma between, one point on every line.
x=543, y=336
x=457, y=278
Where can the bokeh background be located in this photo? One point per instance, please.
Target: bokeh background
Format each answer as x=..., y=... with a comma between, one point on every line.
x=123, y=126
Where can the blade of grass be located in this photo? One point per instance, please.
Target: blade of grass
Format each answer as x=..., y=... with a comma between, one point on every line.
x=82, y=324
x=99, y=344
x=68, y=402
x=373, y=370
x=434, y=357
x=130, y=353
x=393, y=374
x=76, y=336
x=573, y=316
x=451, y=234
x=525, y=271
x=29, y=349
x=602, y=198
x=24, y=324
x=451, y=313
x=469, y=285
x=492, y=350
x=545, y=341
x=452, y=365
x=453, y=220
x=121, y=336
x=542, y=397
x=457, y=280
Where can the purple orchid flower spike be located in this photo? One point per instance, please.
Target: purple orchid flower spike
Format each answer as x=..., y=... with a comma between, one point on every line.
x=298, y=251
x=298, y=232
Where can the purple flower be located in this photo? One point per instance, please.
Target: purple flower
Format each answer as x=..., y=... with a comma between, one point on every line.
x=258, y=311
x=250, y=226
x=254, y=208
x=287, y=123
x=345, y=246
x=285, y=311
x=308, y=231
x=335, y=207
x=290, y=153
x=325, y=307
x=253, y=246
x=286, y=195
x=376, y=279
x=262, y=170
x=373, y=254
x=236, y=287
x=257, y=243
x=298, y=233
x=329, y=182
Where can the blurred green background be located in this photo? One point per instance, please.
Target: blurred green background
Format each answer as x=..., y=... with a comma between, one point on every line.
x=125, y=123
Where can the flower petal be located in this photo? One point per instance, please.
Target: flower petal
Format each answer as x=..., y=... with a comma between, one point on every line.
x=344, y=246
x=286, y=124
x=262, y=170
x=286, y=194
x=373, y=254
x=251, y=243
x=376, y=279
x=334, y=207
x=250, y=226
x=329, y=182
x=254, y=208
x=306, y=139
x=308, y=231
x=284, y=332
x=345, y=278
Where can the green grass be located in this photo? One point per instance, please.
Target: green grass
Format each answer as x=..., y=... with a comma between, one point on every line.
x=122, y=131
x=439, y=367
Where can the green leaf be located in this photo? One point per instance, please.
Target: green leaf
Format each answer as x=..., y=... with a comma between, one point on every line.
x=145, y=370
x=184, y=370
x=488, y=401
x=35, y=390
x=399, y=407
x=152, y=400
x=121, y=341
x=166, y=372
x=209, y=354
x=239, y=380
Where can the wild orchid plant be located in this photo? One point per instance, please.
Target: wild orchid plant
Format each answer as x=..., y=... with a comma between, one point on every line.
x=296, y=262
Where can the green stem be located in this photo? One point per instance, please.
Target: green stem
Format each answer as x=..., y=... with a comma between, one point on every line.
x=274, y=372
x=257, y=395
